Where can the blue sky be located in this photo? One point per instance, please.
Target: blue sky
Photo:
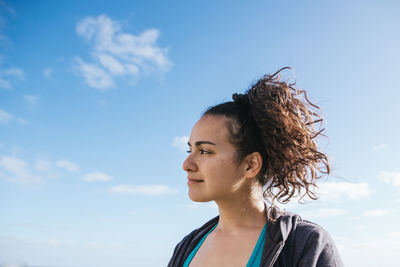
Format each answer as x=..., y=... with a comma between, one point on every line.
x=97, y=100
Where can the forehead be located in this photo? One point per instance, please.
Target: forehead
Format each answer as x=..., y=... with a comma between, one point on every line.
x=211, y=128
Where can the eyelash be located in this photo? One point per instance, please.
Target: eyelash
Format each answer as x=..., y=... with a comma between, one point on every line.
x=202, y=151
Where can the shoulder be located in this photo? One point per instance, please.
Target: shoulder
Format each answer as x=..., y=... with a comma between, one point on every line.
x=184, y=243
x=187, y=244
x=293, y=225
x=309, y=243
x=311, y=231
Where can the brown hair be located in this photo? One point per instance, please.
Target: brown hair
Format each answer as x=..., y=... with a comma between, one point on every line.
x=278, y=120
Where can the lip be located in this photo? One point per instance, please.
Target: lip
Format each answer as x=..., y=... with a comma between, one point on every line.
x=194, y=181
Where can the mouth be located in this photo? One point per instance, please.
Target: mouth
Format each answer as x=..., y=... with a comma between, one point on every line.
x=194, y=181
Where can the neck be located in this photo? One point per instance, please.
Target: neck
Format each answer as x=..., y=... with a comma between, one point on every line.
x=242, y=211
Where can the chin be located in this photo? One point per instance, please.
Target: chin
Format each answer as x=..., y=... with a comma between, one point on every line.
x=198, y=198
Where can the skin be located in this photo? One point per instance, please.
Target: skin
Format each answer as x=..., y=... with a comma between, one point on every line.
x=214, y=174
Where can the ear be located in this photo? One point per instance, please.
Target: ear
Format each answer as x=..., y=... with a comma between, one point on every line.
x=253, y=164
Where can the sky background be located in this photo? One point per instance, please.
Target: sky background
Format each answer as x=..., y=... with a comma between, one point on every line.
x=97, y=100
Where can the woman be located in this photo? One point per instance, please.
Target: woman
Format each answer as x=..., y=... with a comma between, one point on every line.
x=258, y=148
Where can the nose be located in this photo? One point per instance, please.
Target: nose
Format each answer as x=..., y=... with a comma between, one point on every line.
x=189, y=165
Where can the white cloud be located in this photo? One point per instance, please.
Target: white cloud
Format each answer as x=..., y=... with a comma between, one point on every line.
x=7, y=75
x=15, y=72
x=95, y=76
x=22, y=121
x=111, y=64
x=394, y=235
x=117, y=53
x=16, y=170
x=43, y=165
x=16, y=150
x=380, y=147
x=142, y=190
x=48, y=72
x=67, y=165
x=323, y=213
x=4, y=83
x=377, y=213
x=181, y=142
x=97, y=177
x=31, y=101
x=390, y=178
x=361, y=226
x=336, y=191
x=5, y=117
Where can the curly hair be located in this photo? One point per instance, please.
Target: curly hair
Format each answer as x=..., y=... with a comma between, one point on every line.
x=277, y=120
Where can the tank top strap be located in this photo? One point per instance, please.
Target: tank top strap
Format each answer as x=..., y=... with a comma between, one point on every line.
x=194, y=251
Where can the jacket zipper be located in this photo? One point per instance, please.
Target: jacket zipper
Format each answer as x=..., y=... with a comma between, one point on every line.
x=281, y=244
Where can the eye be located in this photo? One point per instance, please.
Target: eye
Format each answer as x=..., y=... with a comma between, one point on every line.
x=188, y=151
x=203, y=151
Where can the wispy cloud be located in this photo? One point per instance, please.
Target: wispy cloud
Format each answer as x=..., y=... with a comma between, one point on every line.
x=7, y=8
x=336, y=191
x=390, y=178
x=323, y=213
x=48, y=72
x=16, y=170
x=14, y=72
x=117, y=53
x=67, y=165
x=97, y=177
x=151, y=190
x=32, y=101
x=181, y=142
x=22, y=120
x=95, y=76
x=5, y=117
x=377, y=213
x=394, y=235
x=43, y=165
x=8, y=75
x=380, y=147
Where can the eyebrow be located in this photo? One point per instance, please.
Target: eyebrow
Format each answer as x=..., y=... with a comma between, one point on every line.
x=199, y=143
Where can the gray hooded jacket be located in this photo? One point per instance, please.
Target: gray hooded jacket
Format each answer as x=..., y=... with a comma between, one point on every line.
x=289, y=241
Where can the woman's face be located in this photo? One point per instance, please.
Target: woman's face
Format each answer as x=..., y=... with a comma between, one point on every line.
x=212, y=168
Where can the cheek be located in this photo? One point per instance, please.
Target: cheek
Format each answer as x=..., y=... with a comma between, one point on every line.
x=225, y=171
x=229, y=164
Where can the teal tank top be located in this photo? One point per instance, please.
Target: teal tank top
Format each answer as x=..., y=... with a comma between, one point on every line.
x=255, y=258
